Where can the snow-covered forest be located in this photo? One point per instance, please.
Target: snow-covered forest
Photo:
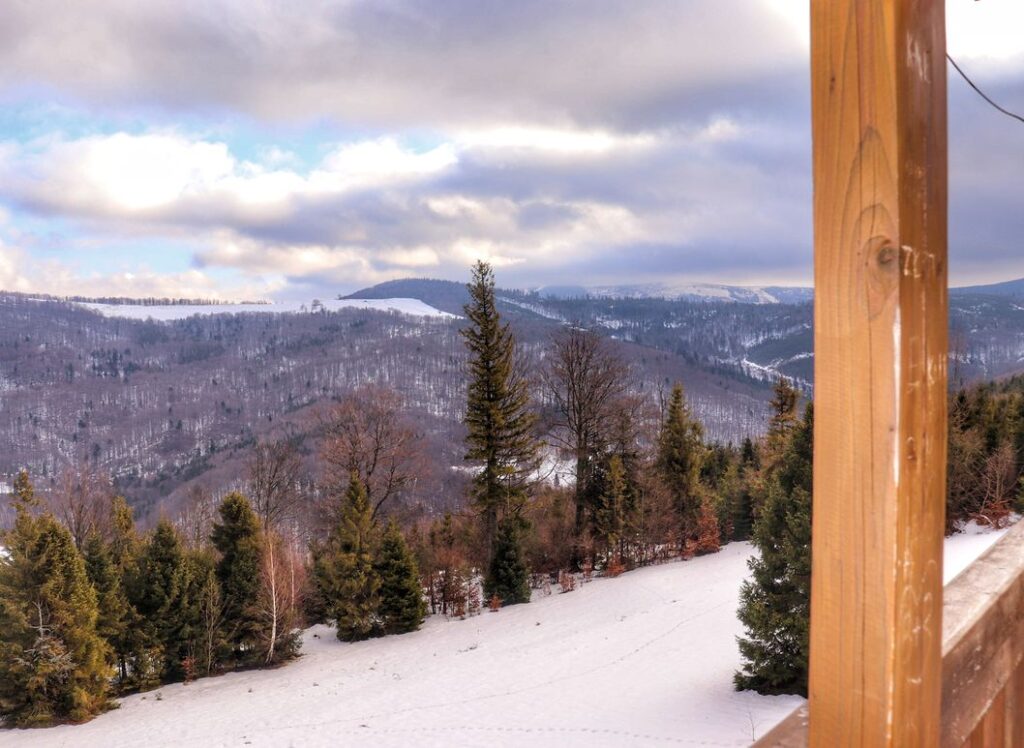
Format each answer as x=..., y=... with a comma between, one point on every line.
x=576, y=468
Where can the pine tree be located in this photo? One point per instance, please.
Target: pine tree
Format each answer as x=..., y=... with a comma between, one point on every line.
x=679, y=460
x=507, y=576
x=344, y=570
x=128, y=639
x=498, y=420
x=610, y=503
x=124, y=541
x=402, y=606
x=775, y=605
x=112, y=601
x=238, y=539
x=162, y=601
x=53, y=664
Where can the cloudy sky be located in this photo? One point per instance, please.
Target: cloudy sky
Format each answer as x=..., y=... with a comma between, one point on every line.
x=244, y=148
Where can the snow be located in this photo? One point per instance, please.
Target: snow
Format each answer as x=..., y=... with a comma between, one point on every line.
x=708, y=291
x=961, y=549
x=167, y=313
x=643, y=659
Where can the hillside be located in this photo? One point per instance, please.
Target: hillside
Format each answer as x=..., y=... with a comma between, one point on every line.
x=643, y=659
x=162, y=405
x=166, y=395
x=758, y=332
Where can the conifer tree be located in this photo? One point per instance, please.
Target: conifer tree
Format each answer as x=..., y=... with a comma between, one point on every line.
x=776, y=440
x=498, y=420
x=238, y=538
x=402, y=606
x=774, y=603
x=124, y=541
x=610, y=504
x=161, y=593
x=680, y=456
x=128, y=639
x=112, y=602
x=344, y=569
x=53, y=664
x=507, y=576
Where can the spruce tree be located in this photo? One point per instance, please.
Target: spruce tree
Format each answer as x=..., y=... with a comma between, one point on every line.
x=238, y=539
x=610, y=503
x=402, y=606
x=680, y=457
x=161, y=594
x=346, y=578
x=775, y=602
x=53, y=664
x=499, y=422
x=112, y=602
x=129, y=640
x=507, y=575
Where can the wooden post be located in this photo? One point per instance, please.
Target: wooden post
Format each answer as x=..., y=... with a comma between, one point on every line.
x=879, y=117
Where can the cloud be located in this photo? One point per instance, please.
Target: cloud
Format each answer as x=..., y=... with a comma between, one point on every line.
x=397, y=63
x=19, y=271
x=535, y=199
x=361, y=140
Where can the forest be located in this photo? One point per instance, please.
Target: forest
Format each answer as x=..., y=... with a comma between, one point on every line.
x=571, y=468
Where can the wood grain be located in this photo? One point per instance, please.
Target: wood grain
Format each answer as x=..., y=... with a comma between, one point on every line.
x=982, y=660
x=879, y=123
x=983, y=649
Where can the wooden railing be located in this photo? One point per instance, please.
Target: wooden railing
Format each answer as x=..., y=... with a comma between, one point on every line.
x=982, y=655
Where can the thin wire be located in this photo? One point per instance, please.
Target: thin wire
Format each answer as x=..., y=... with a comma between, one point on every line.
x=981, y=93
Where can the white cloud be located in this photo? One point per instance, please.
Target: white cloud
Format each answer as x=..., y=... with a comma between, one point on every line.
x=20, y=272
x=156, y=176
x=569, y=141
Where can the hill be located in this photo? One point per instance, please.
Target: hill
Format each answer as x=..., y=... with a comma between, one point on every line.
x=1012, y=288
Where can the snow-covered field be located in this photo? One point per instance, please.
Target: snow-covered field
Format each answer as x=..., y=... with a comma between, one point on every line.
x=644, y=659
x=167, y=313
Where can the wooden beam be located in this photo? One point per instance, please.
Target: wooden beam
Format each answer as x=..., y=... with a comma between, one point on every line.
x=879, y=119
x=983, y=645
x=982, y=653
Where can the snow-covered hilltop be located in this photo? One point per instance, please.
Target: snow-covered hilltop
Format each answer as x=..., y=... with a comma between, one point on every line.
x=708, y=292
x=170, y=312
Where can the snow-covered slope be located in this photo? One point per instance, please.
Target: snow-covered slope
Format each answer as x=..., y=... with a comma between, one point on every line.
x=644, y=659
x=166, y=313
x=708, y=292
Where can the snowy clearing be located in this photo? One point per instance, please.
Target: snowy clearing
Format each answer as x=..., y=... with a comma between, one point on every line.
x=644, y=659
x=170, y=312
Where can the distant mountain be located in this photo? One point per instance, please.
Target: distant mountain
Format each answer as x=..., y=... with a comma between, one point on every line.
x=1006, y=288
x=708, y=292
x=448, y=296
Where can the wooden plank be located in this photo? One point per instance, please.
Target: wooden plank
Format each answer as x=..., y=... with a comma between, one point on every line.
x=879, y=119
x=789, y=733
x=983, y=652
x=983, y=645
x=1015, y=708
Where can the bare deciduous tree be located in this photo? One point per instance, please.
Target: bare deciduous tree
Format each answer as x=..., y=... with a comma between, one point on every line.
x=275, y=476
x=587, y=382
x=195, y=519
x=998, y=485
x=368, y=433
x=281, y=576
x=81, y=500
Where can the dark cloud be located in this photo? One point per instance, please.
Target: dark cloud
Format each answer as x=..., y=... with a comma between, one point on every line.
x=401, y=63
